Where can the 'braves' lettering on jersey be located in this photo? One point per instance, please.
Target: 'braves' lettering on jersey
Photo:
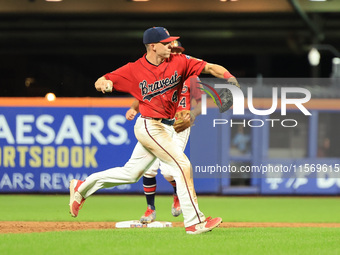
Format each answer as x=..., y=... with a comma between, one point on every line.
x=159, y=87
x=156, y=87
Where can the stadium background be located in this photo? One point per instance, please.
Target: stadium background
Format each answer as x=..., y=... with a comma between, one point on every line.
x=64, y=47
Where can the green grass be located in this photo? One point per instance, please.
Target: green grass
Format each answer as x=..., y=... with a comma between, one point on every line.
x=118, y=208
x=173, y=240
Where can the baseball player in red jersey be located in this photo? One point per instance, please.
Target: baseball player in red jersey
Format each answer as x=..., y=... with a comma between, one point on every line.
x=181, y=139
x=155, y=80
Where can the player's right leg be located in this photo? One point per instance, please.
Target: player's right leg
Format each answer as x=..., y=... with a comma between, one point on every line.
x=131, y=172
x=152, y=134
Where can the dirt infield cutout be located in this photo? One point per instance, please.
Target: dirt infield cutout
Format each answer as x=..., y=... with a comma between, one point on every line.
x=35, y=226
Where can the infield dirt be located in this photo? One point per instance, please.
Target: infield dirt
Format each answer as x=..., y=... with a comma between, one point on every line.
x=46, y=226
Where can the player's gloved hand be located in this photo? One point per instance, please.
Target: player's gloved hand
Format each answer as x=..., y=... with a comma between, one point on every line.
x=233, y=81
x=184, y=120
x=130, y=114
x=225, y=94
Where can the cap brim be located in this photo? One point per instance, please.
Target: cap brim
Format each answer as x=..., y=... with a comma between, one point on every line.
x=170, y=39
x=180, y=48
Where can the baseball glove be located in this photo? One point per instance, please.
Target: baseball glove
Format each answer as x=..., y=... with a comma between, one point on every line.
x=183, y=120
x=226, y=98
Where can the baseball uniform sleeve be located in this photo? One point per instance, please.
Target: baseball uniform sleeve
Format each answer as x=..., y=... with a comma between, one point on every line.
x=194, y=65
x=122, y=78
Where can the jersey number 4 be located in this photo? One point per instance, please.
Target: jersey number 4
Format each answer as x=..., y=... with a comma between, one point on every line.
x=183, y=102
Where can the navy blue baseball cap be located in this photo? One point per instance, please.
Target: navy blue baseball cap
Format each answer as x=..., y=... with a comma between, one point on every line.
x=177, y=45
x=157, y=34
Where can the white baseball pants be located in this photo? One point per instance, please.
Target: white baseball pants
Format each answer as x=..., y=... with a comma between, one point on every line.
x=154, y=142
x=181, y=139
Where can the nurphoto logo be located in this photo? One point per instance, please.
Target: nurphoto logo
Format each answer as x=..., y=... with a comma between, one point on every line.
x=239, y=102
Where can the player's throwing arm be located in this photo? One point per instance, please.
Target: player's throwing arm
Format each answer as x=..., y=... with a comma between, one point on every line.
x=104, y=85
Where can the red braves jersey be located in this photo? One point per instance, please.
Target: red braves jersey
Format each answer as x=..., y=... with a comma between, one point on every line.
x=188, y=93
x=157, y=88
